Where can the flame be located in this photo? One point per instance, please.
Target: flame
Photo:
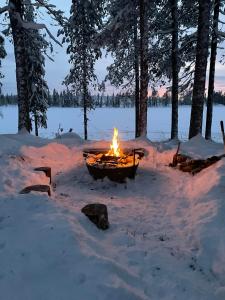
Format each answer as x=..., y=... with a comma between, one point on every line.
x=114, y=147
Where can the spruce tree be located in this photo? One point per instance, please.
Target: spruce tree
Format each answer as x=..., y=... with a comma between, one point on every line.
x=84, y=24
x=36, y=46
x=19, y=29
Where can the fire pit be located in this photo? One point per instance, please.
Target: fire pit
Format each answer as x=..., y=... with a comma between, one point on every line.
x=115, y=164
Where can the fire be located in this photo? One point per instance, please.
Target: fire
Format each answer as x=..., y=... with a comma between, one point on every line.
x=115, y=150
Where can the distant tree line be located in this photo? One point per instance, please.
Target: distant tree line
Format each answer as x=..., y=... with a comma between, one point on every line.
x=121, y=100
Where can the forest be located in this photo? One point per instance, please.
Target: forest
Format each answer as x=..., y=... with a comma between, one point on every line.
x=120, y=100
x=147, y=49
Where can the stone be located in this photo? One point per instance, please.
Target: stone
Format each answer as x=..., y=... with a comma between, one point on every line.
x=37, y=188
x=98, y=214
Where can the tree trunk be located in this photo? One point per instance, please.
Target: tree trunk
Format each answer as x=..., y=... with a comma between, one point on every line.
x=36, y=124
x=85, y=116
x=200, y=68
x=85, y=96
x=137, y=78
x=24, y=121
x=175, y=70
x=144, y=78
x=212, y=70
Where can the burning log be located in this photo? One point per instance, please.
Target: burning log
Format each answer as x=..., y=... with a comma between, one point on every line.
x=115, y=168
x=116, y=164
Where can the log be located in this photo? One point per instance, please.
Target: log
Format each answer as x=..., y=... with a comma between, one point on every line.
x=140, y=151
x=46, y=170
x=179, y=158
x=223, y=134
x=36, y=188
x=194, y=166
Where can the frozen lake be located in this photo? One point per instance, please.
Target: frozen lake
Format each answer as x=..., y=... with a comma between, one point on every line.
x=102, y=121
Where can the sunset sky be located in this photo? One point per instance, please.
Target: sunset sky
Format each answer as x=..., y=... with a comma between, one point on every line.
x=57, y=70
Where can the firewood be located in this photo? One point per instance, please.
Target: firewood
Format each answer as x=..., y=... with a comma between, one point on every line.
x=223, y=134
x=195, y=166
x=37, y=188
x=187, y=168
x=46, y=170
x=174, y=163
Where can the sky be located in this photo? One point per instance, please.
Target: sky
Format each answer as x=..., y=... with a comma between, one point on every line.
x=57, y=70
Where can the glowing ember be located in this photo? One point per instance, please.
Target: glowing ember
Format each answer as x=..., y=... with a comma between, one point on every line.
x=115, y=150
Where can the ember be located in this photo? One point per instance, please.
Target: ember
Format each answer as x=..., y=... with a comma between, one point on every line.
x=115, y=163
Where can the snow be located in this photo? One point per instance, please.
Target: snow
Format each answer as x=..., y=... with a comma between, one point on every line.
x=167, y=228
x=102, y=120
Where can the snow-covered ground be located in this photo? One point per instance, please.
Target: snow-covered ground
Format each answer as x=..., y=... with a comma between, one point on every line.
x=102, y=120
x=167, y=229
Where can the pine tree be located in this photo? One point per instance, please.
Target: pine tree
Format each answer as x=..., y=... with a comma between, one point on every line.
x=128, y=41
x=84, y=23
x=214, y=43
x=175, y=68
x=121, y=37
x=144, y=76
x=200, y=68
x=18, y=32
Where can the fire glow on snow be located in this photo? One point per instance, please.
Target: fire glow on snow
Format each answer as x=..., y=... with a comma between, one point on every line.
x=167, y=233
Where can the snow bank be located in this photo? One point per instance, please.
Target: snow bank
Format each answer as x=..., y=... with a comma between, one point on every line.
x=167, y=233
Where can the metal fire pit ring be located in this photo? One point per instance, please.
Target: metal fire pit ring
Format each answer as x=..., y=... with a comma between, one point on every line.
x=114, y=173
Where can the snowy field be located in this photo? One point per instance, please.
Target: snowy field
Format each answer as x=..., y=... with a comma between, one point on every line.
x=103, y=120
x=167, y=228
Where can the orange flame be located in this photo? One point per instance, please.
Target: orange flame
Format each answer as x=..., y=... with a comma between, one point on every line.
x=114, y=147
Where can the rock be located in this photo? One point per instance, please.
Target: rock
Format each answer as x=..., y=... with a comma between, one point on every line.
x=37, y=188
x=98, y=214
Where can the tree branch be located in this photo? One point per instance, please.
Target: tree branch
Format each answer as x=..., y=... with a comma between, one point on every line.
x=51, y=11
x=4, y=9
x=35, y=26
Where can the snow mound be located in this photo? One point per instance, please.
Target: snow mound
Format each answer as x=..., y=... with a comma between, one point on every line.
x=167, y=228
x=198, y=147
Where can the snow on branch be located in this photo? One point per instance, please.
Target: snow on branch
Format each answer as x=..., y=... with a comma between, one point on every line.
x=4, y=9
x=35, y=26
x=220, y=33
x=222, y=22
x=170, y=30
x=222, y=12
x=50, y=8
